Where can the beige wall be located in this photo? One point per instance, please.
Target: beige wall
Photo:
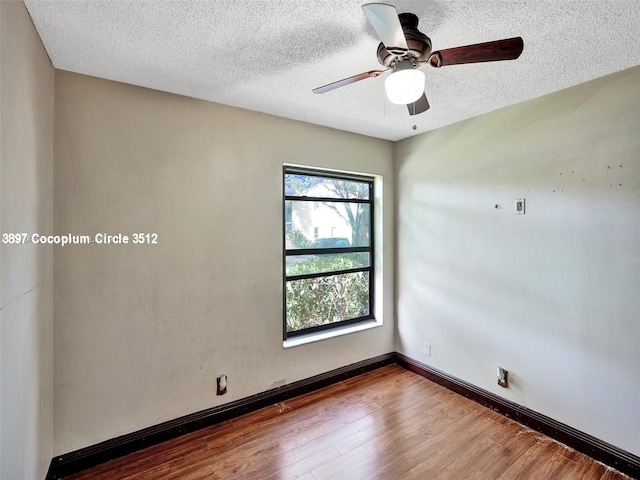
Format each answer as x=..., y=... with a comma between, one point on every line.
x=26, y=313
x=552, y=296
x=143, y=331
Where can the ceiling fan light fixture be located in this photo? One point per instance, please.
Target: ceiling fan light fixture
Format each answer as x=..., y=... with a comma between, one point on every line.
x=404, y=86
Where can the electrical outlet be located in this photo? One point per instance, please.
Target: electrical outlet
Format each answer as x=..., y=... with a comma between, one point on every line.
x=222, y=385
x=427, y=349
x=503, y=377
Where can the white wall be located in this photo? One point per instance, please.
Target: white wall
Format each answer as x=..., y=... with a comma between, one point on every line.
x=26, y=305
x=552, y=296
x=143, y=331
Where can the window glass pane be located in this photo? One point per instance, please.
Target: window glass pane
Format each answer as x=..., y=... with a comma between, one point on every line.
x=287, y=217
x=324, y=300
x=328, y=224
x=313, y=186
x=305, y=264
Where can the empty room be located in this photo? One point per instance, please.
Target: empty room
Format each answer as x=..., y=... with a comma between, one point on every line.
x=319, y=240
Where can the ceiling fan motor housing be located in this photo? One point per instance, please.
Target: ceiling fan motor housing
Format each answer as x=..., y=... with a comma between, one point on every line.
x=419, y=44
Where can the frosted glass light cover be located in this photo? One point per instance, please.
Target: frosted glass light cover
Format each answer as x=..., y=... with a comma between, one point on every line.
x=404, y=86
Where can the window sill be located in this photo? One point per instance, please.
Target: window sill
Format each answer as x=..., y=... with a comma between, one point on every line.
x=335, y=332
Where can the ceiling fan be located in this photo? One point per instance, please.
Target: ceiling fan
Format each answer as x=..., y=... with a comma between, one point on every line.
x=404, y=48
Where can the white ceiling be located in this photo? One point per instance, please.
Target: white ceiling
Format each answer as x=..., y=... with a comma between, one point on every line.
x=267, y=55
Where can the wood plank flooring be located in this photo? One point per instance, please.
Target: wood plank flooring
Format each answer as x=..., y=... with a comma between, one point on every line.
x=386, y=424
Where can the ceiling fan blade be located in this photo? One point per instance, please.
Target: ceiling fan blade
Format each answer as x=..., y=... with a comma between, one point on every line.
x=507, y=49
x=384, y=20
x=419, y=106
x=348, y=81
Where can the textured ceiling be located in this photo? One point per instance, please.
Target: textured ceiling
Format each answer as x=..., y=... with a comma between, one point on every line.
x=267, y=55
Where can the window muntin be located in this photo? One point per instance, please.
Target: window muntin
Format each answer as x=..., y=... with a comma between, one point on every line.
x=328, y=250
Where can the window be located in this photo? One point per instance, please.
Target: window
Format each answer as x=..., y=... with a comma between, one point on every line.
x=328, y=257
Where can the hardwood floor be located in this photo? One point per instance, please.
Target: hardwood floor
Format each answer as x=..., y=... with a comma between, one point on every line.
x=386, y=424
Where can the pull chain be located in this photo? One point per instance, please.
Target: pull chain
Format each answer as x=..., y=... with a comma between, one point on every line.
x=414, y=116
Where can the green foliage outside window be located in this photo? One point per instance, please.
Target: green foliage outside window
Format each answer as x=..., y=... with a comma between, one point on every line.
x=326, y=300
x=297, y=239
x=320, y=301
